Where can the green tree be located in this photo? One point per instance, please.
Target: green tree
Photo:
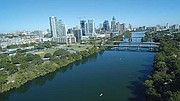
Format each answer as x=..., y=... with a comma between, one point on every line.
x=48, y=55
x=18, y=58
x=47, y=44
x=175, y=96
x=161, y=66
x=29, y=57
x=61, y=52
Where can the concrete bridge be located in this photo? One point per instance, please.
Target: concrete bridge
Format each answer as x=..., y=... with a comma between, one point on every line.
x=148, y=45
x=151, y=43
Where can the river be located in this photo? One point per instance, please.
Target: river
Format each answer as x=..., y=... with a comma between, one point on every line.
x=118, y=75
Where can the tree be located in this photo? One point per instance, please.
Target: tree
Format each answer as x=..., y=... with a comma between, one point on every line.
x=175, y=96
x=3, y=76
x=47, y=44
x=24, y=65
x=37, y=61
x=3, y=55
x=18, y=58
x=40, y=46
x=47, y=55
x=149, y=83
x=61, y=52
x=161, y=66
x=154, y=95
x=160, y=56
x=30, y=57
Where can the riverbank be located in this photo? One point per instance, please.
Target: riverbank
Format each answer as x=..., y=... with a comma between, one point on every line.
x=163, y=83
x=112, y=73
x=23, y=76
x=26, y=67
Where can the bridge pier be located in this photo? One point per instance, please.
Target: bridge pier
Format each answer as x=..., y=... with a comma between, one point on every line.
x=151, y=49
x=138, y=48
x=136, y=40
x=126, y=48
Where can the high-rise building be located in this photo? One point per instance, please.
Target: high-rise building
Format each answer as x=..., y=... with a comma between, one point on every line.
x=158, y=28
x=122, y=27
x=106, y=25
x=59, y=31
x=113, y=24
x=58, y=28
x=100, y=25
x=88, y=29
x=130, y=27
x=167, y=26
x=83, y=27
x=175, y=27
x=118, y=26
x=53, y=26
x=61, y=28
x=78, y=33
x=91, y=27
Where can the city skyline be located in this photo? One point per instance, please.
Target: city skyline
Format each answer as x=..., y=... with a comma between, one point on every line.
x=33, y=15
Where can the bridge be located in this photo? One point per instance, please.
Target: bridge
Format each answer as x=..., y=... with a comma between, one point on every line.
x=126, y=46
x=133, y=46
x=135, y=38
x=151, y=43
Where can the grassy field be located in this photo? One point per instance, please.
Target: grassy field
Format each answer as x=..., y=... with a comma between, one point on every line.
x=42, y=53
x=71, y=49
x=80, y=48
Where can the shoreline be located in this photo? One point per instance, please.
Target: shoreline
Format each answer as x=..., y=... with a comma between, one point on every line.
x=44, y=66
x=23, y=76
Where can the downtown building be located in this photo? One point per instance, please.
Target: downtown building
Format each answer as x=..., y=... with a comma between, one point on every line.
x=106, y=27
x=113, y=25
x=59, y=31
x=88, y=29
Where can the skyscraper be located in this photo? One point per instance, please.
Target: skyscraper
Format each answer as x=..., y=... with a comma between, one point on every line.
x=58, y=28
x=53, y=21
x=61, y=28
x=59, y=31
x=83, y=27
x=113, y=24
x=122, y=27
x=106, y=25
x=78, y=33
x=91, y=27
x=118, y=25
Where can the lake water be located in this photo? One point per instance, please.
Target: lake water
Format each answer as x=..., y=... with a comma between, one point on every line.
x=118, y=75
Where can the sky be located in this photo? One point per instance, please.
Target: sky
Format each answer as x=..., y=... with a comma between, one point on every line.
x=34, y=14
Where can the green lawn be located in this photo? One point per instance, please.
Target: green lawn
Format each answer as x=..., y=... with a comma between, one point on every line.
x=71, y=49
x=75, y=48
x=42, y=53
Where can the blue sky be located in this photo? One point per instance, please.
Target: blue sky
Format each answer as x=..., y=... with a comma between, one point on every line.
x=34, y=14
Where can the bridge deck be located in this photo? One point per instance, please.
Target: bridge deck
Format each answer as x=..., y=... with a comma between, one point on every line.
x=155, y=43
x=136, y=46
x=140, y=46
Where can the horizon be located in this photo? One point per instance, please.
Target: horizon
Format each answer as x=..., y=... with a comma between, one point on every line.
x=34, y=15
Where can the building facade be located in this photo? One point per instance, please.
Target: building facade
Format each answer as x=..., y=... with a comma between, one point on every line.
x=53, y=26
x=83, y=27
x=59, y=31
x=91, y=27
x=113, y=25
x=106, y=26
